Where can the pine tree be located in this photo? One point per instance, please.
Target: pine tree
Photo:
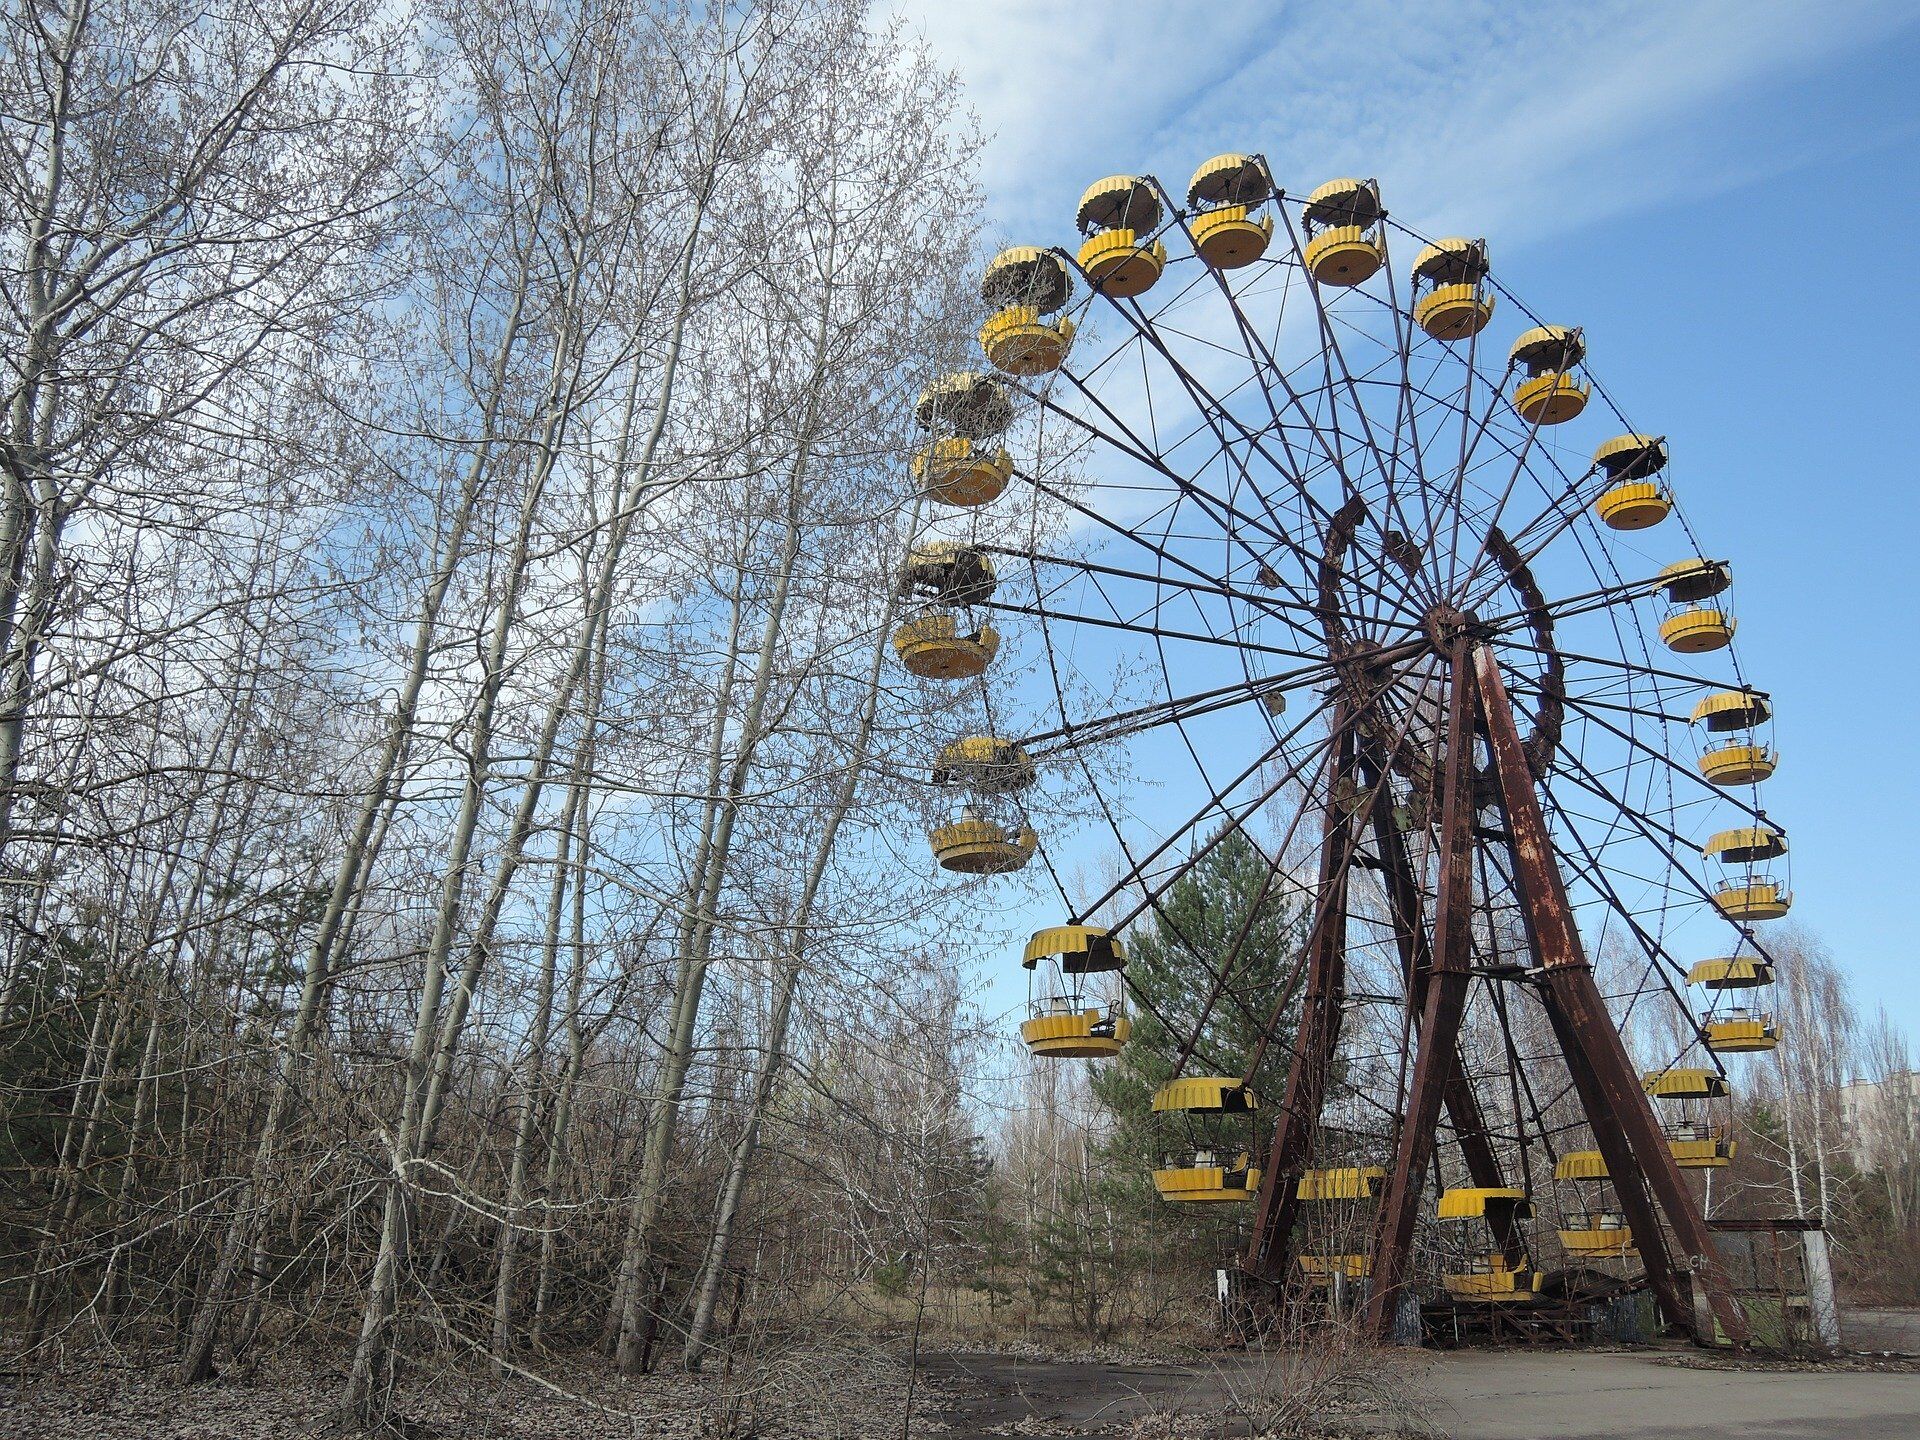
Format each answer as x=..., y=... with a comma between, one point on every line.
x=1171, y=965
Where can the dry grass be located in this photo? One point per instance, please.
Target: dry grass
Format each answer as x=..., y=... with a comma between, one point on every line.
x=960, y=1317
x=1319, y=1383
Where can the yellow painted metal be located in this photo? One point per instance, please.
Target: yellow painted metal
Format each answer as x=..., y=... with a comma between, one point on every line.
x=1226, y=238
x=949, y=571
x=1493, y=1279
x=1205, y=1094
x=1550, y=399
x=1118, y=264
x=1354, y=1182
x=1633, y=505
x=1119, y=202
x=955, y=471
x=976, y=846
x=1549, y=349
x=1740, y=763
x=1320, y=1269
x=1580, y=1165
x=1745, y=844
x=1344, y=202
x=1089, y=1033
x=1687, y=581
x=1755, y=900
x=1455, y=260
x=1741, y=1034
x=1726, y=710
x=932, y=646
x=1684, y=1082
x=1697, y=630
x=1512, y=1288
x=1019, y=341
x=1027, y=276
x=984, y=764
x=1739, y=972
x=1707, y=1152
x=1344, y=255
x=1229, y=179
x=1453, y=312
x=1203, y=1183
x=1598, y=1244
x=1599, y=1235
x=964, y=403
x=1470, y=1203
x=1080, y=949
x=1632, y=457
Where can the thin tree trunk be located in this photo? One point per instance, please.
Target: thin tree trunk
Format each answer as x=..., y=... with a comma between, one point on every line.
x=692, y=976
x=92, y=1063
x=145, y=1083
x=570, y=1075
x=773, y=1056
x=356, y=861
x=429, y=1057
x=511, y=1222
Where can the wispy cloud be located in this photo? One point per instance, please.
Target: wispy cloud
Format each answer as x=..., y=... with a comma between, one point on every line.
x=1474, y=116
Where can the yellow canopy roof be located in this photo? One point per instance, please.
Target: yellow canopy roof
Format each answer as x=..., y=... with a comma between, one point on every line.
x=1736, y=970
x=1027, y=275
x=1230, y=179
x=1743, y=708
x=966, y=403
x=1745, y=843
x=957, y=573
x=1470, y=1203
x=1561, y=346
x=1684, y=1083
x=1345, y=201
x=984, y=763
x=1643, y=455
x=1581, y=1165
x=1078, y=947
x=1455, y=260
x=1119, y=202
x=1352, y=1183
x=1205, y=1093
x=1695, y=578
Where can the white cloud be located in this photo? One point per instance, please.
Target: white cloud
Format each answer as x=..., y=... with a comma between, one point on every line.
x=1516, y=122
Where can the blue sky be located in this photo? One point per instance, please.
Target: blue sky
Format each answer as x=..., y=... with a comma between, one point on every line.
x=1724, y=196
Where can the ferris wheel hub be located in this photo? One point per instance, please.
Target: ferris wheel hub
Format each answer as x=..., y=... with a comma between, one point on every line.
x=1445, y=624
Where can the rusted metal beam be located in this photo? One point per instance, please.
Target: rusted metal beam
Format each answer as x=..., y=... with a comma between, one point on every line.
x=1590, y=1035
x=1269, y=1249
x=1445, y=1005
x=1629, y=1185
x=1416, y=962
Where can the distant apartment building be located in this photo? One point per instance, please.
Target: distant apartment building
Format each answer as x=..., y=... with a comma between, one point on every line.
x=1880, y=1117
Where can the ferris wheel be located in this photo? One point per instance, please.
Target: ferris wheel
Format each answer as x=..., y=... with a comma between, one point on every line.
x=1294, y=516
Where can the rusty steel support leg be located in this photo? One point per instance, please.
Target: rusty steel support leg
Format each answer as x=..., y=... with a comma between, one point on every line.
x=1445, y=1005
x=1416, y=962
x=1590, y=1032
x=1269, y=1250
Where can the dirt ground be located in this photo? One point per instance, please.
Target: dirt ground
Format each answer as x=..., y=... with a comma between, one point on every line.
x=1465, y=1395
x=839, y=1391
x=1881, y=1328
x=817, y=1391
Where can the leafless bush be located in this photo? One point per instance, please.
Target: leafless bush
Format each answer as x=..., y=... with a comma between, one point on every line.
x=833, y=1388
x=1318, y=1381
